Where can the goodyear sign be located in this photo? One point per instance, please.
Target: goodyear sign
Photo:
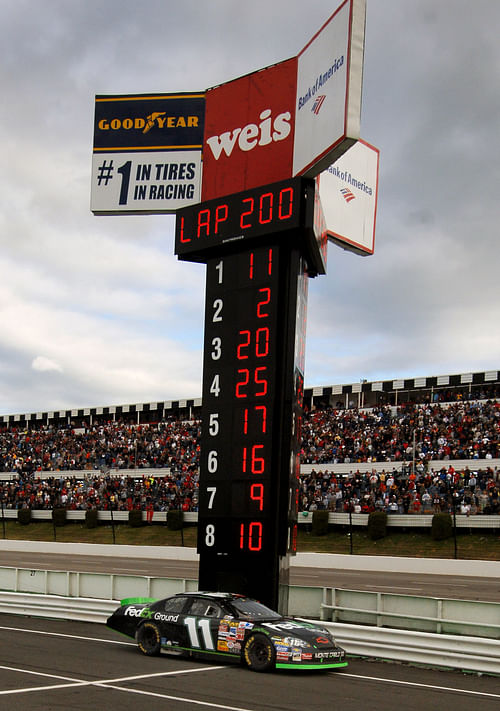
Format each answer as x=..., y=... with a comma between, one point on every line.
x=147, y=153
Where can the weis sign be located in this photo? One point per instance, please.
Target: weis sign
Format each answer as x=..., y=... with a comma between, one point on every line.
x=293, y=118
x=249, y=131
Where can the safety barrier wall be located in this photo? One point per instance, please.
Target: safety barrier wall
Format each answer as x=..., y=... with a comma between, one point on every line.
x=342, y=468
x=465, y=653
x=329, y=561
x=461, y=617
x=341, y=519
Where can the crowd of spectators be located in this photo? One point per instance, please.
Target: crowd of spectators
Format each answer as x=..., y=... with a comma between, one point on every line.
x=462, y=430
x=463, y=491
x=411, y=434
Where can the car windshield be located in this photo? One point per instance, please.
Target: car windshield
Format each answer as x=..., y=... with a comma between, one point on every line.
x=253, y=610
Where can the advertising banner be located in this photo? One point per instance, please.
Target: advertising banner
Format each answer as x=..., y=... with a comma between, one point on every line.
x=329, y=83
x=147, y=153
x=348, y=192
x=249, y=131
x=293, y=118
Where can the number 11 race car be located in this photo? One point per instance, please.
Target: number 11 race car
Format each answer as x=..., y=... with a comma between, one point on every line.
x=226, y=626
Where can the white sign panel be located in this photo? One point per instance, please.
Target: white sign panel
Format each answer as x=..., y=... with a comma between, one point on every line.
x=149, y=182
x=146, y=155
x=348, y=192
x=329, y=82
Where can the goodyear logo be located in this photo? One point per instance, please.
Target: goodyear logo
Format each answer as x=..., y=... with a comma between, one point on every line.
x=157, y=118
x=157, y=122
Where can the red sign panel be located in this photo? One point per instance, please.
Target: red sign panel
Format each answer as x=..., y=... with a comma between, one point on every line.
x=249, y=131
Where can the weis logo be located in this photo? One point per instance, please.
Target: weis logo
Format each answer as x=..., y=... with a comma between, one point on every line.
x=249, y=130
x=252, y=135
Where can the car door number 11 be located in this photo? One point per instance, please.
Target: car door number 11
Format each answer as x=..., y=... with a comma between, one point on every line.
x=192, y=623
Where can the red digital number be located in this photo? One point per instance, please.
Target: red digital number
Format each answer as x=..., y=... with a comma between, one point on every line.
x=285, y=209
x=243, y=225
x=260, y=313
x=269, y=218
x=257, y=380
x=247, y=338
x=260, y=381
x=263, y=418
x=242, y=383
x=262, y=342
x=257, y=494
x=251, y=540
x=257, y=464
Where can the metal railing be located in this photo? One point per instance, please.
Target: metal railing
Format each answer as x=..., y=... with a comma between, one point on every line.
x=464, y=653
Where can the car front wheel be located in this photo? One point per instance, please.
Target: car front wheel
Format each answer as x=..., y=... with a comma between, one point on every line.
x=149, y=639
x=259, y=653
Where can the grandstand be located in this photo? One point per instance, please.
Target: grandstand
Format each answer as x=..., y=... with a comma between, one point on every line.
x=403, y=446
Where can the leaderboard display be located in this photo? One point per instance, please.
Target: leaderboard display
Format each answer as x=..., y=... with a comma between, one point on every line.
x=259, y=247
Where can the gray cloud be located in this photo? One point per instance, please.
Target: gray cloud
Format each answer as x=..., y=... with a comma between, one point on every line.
x=105, y=301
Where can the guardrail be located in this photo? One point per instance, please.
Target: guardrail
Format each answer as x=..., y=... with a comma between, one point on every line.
x=426, y=614
x=464, y=653
x=423, y=614
x=489, y=521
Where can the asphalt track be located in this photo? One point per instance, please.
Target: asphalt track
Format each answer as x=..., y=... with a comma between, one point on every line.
x=53, y=664
x=445, y=586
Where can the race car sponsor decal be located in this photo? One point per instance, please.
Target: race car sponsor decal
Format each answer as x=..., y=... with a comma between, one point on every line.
x=279, y=626
x=232, y=629
x=327, y=655
x=322, y=640
x=148, y=614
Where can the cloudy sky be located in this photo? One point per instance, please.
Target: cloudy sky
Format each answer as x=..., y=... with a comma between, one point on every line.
x=98, y=311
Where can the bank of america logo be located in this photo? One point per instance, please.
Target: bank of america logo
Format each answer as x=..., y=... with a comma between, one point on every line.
x=318, y=103
x=347, y=194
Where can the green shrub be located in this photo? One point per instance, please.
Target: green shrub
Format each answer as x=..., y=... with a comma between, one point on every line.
x=24, y=516
x=377, y=525
x=91, y=518
x=175, y=519
x=59, y=516
x=442, y=527
x=135, y=518
x=320, y=523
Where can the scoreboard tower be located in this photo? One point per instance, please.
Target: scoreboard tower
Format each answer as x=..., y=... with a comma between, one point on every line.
x=260, y=247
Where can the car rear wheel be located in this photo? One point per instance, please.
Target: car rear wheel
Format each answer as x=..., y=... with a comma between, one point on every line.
x=259, y=653
x=149, y=639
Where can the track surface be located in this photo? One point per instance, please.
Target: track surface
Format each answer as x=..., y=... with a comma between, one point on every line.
x=52, y=664
x=446, y=586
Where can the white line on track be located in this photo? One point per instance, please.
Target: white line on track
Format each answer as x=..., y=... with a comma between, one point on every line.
x=421, y=686
x=68, y=636
x=111, y=684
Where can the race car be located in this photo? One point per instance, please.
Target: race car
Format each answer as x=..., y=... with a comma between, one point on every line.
x=226, y=626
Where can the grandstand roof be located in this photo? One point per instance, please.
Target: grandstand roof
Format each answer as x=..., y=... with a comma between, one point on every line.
x=312, y=395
